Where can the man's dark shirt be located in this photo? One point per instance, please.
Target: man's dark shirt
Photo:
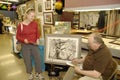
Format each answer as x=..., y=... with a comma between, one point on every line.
x=101, y=61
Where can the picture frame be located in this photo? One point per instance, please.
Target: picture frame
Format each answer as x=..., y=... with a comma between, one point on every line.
x=116, y=41
x=48, y=17
x=62, y=27
x=48, y=5
x=38, y=8
x=47, y=29
x=59, y=49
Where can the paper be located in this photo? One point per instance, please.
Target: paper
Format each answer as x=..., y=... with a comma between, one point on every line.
x=70, y=63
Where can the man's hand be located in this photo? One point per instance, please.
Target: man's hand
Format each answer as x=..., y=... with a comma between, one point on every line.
x=77, y=69
x=75, y=61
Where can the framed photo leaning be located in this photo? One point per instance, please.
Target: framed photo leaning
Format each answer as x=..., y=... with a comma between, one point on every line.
x=48, y=17
x=60, y=48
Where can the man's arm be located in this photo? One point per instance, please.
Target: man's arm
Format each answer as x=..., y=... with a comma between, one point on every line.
x=78, y=61
x=90, y=73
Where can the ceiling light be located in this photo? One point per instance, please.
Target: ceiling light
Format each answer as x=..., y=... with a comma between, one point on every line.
x=5, y=2
x=14, y=0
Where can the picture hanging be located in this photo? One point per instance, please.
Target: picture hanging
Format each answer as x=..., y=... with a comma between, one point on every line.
x=48, y=5
x=60, y=49
x=47, y=29
x=38, y=8
x=62, y=27
x=48, y=17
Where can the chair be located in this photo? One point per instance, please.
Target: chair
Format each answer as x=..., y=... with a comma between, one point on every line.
x=113, y=76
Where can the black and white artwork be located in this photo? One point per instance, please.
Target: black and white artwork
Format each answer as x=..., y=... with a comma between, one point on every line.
x=61, y=48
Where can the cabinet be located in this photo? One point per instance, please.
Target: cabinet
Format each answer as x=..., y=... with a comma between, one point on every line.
x=76, y=20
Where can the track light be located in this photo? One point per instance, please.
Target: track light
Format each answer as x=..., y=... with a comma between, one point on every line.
x=5, y=2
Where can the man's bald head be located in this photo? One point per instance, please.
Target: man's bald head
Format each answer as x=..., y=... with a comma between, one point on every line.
x=94, y=41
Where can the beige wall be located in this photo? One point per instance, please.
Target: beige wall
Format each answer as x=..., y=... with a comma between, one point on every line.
x=85, y=3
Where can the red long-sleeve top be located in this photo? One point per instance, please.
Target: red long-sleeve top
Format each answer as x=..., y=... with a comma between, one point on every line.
x=29, y=32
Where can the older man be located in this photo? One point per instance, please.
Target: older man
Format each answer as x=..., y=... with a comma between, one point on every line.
x=97, y=65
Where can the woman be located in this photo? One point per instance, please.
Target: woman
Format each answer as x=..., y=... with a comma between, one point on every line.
x=28, y=35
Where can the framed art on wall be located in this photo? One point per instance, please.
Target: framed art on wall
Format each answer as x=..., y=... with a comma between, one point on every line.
x=47, y=29
x=38, y=8
x=62, y=27
x=48, y=17
x=60, y=49
x=48, y=5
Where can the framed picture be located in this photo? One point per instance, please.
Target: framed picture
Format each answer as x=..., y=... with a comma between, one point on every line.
x=60, y=49
x=48, y=17
x=38, y=8
x=47, y=29
x=48, y=5
x=62, y=27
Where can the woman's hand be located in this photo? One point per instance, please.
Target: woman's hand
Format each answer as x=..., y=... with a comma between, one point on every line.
x=37, y=42
x=26, y=41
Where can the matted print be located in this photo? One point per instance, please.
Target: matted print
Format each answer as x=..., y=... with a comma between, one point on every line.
x=48, y=17
x=62, y=48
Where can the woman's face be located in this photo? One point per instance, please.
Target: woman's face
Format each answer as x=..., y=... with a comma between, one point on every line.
x=31, y=16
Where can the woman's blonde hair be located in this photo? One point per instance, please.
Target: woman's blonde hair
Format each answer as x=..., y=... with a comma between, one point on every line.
x=29, y=10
